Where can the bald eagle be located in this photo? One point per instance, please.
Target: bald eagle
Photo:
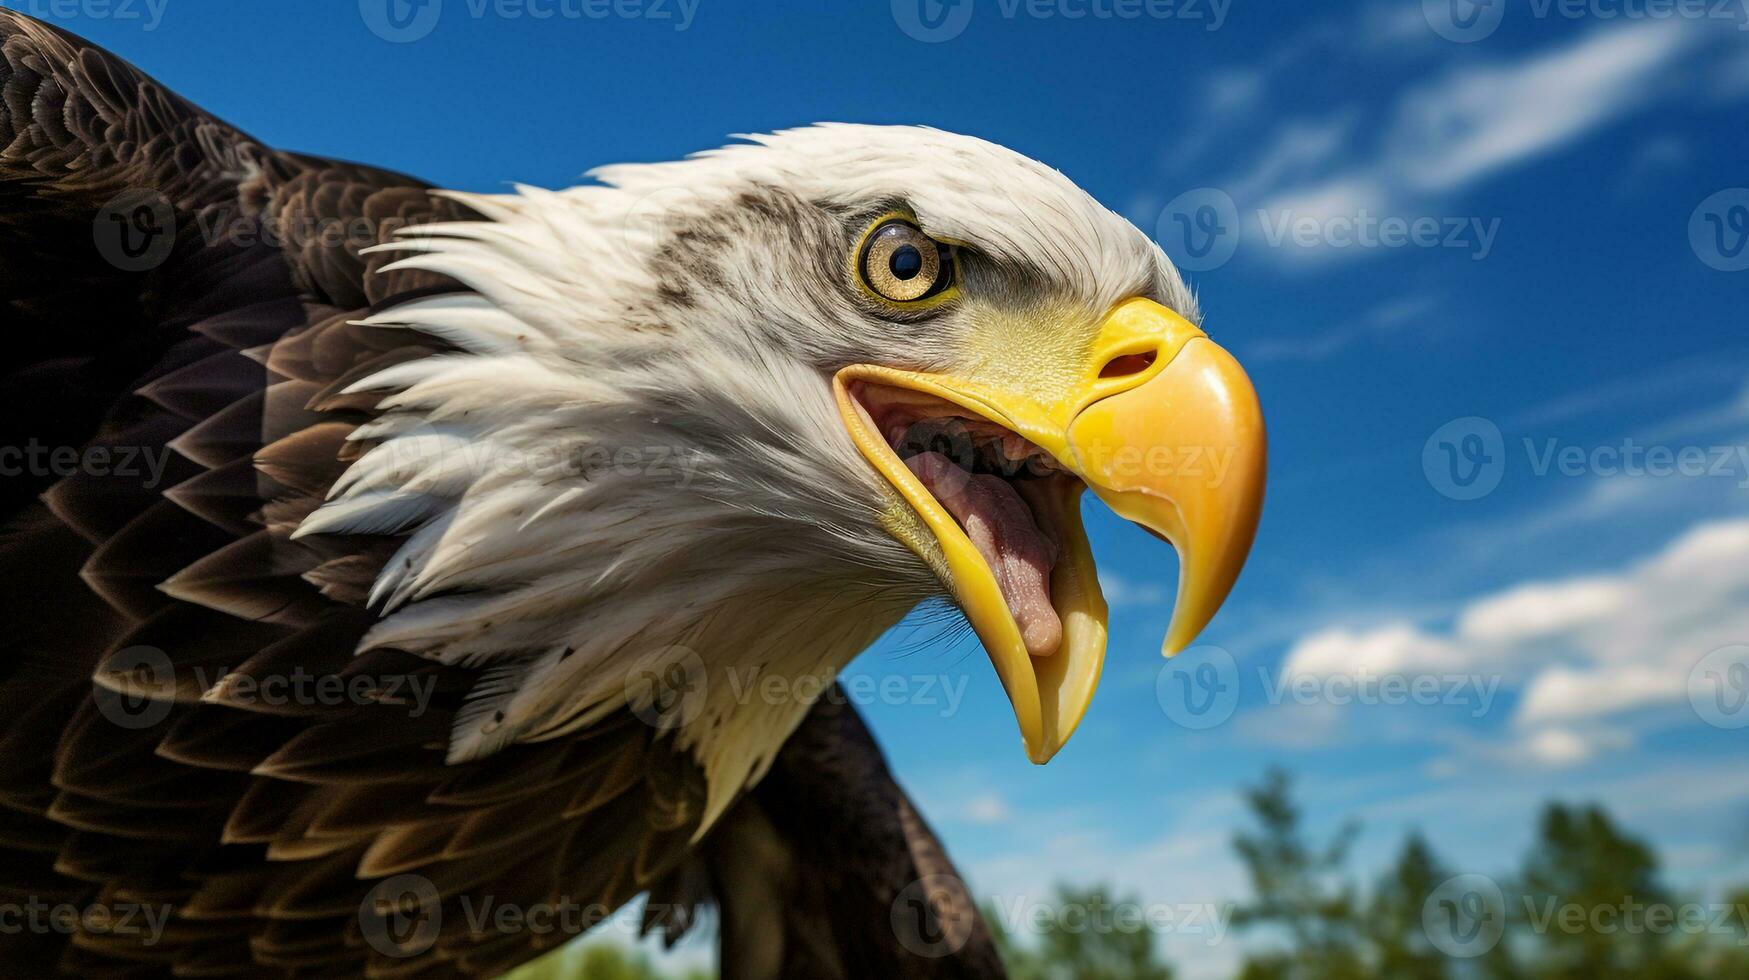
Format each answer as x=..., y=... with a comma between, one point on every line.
x=377, y=557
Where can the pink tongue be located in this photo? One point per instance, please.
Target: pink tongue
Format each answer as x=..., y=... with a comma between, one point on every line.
x=1002, y=528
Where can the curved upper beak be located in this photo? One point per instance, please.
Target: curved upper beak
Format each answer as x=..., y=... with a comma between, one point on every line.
x=1163, y=426
x=1183, y=453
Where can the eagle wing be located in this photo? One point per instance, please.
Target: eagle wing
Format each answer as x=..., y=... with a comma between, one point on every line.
x=181, y=322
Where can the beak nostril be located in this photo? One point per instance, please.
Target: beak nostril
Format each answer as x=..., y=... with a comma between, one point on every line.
x=1127, y=364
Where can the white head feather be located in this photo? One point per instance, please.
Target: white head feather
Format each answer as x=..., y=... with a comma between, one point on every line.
x=633, y=463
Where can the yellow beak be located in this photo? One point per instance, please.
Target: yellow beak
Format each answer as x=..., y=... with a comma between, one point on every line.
x=1163, y=425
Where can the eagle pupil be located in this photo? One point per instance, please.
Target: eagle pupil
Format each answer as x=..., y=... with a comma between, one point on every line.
x=906, y=262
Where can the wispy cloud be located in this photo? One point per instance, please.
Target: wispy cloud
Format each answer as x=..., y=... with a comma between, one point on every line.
x=1298, y=150
x=1719, y=427
x=1121, y=590
x=987, y=809
x=1407, y=156
x=1471, y=122
x=1476, y=121
x=1382, y=320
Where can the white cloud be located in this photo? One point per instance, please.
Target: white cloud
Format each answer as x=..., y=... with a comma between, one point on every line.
x=1540, y=609
x=987, y=809
x=1400, y=158
x=1391, y=649
x=1301, y=148
x=1122, y=591
x=1565, y=694
x=1558, y=747
x=1583, y=651
x=1345, y=196
x=1478, y=120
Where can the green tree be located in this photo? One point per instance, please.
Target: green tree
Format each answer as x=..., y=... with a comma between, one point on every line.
x=1299, y=892
x=1400, y=946
x=1726, y=955
x=595, y=960
x=1087, y=936
x=1581, y=886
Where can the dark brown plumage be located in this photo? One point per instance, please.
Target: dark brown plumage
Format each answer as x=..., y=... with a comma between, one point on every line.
x=139, y=605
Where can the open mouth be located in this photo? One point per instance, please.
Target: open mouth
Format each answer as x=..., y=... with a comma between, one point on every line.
x=1004, y=492
x=990, y=476
x=1001, y=527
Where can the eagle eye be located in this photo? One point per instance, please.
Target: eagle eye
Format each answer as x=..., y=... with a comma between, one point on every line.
x=902, y=264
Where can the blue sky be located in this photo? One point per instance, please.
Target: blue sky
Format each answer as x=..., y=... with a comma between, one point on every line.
x=1558, y=199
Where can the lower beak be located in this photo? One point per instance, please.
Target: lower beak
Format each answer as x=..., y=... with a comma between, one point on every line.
x=1162, y=425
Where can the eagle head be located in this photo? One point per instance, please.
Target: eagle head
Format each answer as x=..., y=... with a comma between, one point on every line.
x=730, y=418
